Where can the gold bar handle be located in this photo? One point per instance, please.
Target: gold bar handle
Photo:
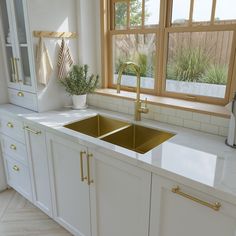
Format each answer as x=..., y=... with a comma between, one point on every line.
x=20, y=94
x=90, y=181
x=13, y=74
x=215, y=206
x=16, y=168
x=37, y=132
x=13, y=147
x=16, y=69
x=82, y=166
x=10, y=125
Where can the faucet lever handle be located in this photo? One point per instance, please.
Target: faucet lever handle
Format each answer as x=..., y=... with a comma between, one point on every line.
x=145, y=103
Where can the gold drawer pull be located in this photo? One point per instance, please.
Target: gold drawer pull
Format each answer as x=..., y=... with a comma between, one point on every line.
x=32, y=131
x=20, y=94
x=16, y=168
x=90, y=181
x=215, y=206
x=10, y=125
x=13, y=147
x=82, y=166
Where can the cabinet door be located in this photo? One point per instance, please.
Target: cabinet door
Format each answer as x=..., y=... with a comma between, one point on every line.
x=18, y=45
x=120, y=198
x=38, y=162
x=70, y=193
x=9, y=43
x=18, y=177
x=173, y=214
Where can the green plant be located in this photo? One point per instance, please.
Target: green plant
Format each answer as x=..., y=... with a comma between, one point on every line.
x=188, y=64
x=216, y=74
x=78, y=82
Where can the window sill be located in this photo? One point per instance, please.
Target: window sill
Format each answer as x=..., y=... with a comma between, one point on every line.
x=210, y=109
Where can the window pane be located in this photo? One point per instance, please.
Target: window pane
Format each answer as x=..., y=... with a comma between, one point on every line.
x=135, y=13
x=152, y=11
x=120, y=15
x=139, y=48
x=202, y=11
x=180, y=12
x=225, y=10
x=198, y=63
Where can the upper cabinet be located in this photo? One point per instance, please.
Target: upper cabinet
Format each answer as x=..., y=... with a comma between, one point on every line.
x=19, y=19
x=19, y=56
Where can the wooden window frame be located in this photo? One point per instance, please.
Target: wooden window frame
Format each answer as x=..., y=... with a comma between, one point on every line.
x=161, y=31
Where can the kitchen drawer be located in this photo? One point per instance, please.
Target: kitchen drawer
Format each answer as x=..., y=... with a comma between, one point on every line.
x=23, y=99
x=12, y=128
x=15, y=149
x=18, y=177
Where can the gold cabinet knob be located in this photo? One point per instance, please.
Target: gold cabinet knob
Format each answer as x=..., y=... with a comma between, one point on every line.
x=20, y=94
x=10, y=125
x=16, y=168
x=13, y=146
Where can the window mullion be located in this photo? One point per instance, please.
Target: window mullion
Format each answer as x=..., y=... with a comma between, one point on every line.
x=213, y=10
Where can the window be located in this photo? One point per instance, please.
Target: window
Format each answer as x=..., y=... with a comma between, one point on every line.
x=185, y=48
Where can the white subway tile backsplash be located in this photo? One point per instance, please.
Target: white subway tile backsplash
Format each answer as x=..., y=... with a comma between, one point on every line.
x=220, y=121
x=168, y=111
x=208, y=128
x=223, y=131
x=188, y=119
x=192, y=124
x=176, y=120
x=201, y=117
x=184, y=114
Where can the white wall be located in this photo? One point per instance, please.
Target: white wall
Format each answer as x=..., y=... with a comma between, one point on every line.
x=89, y=34
x=54, y=15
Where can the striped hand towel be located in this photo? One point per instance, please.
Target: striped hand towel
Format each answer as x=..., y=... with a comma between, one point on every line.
x=64, y=60
x=44, y=66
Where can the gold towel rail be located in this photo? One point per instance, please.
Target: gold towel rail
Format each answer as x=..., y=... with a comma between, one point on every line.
x=52, y=34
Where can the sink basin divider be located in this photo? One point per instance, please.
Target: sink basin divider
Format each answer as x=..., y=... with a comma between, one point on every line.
x=114, y=131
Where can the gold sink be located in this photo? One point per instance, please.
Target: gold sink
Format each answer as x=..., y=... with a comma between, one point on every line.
x=97, y=126
x=138, y=138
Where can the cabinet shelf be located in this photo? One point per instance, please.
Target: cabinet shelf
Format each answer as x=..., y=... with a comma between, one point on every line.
x=8, y=45
x=23, y=45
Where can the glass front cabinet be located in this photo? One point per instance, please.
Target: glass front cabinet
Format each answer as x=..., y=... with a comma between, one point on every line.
x=18, y=50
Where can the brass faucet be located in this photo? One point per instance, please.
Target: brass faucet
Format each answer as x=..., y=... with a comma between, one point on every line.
x=138, y=103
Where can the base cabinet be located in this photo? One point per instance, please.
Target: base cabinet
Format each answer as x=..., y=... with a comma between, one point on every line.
x=39, y=170
x=71, y=200
x=120, y=197
x=173, y=214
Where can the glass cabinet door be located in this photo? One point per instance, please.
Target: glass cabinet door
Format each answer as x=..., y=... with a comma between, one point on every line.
x=9, y=42
x=23, y=61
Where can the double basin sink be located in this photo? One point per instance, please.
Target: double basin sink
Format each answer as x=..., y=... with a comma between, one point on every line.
x=134, y=137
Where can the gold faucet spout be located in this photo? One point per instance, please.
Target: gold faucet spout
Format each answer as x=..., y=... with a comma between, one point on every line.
x=138, y=104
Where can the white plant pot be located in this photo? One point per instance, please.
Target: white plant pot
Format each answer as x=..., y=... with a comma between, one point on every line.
x=79, y=101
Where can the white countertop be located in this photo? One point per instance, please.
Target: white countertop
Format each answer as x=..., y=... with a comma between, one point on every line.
x=193, y=158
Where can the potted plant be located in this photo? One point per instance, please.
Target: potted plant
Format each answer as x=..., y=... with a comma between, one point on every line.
x=79, y=84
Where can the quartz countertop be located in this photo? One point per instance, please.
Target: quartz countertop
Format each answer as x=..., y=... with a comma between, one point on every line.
x=191, y=158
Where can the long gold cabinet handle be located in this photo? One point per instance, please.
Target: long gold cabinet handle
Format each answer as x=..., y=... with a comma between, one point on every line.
x=13, y=70
x=10, y=125
x=37, y=132
x=13, y=146
x=90, y=181
x=82, y=153
x=215, y=206
x=16, y=168
x=16, y=68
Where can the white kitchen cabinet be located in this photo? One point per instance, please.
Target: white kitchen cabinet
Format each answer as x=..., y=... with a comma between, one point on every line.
x=19, y=56
x=120, y=197
x=18, y=177
x=173, y=214
x=71, y=200
x=38, y=162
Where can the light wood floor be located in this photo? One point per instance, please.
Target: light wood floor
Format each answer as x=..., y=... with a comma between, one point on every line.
x=18, y=217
